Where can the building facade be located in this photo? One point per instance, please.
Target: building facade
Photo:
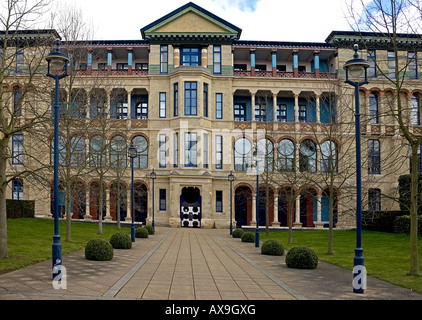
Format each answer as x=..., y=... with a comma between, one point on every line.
x=199, y=103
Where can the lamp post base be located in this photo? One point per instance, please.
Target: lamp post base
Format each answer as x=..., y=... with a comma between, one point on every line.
x=132, y=233
x=57, y=257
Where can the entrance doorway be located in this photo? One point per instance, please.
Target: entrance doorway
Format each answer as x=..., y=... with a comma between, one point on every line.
x=190, y=208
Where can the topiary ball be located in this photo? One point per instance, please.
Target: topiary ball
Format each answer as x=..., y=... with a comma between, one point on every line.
x=237, y=233
x=141, y=232
x=272, y=247
x=121, y=241
x=99, y=250
x=248, y=237
x=150, y=229
x=301, y=258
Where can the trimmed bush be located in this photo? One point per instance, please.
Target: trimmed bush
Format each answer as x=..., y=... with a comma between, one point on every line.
x=141, y=232
x=272, y=247
x=248, y=237
x=301, y=258
x=121, y=241
x=237, y=233
x=402, y=225
x=150, y=229
x=99, y=250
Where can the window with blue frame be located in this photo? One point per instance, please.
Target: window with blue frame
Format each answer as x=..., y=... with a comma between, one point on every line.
x=219, y=106
x=374, y=200
x=164, y=55
x=412, y=64
x=303, y=113
x=162, y=104
x=219, y=152
x=17, y=149
x=282, y=113
x=163, y=199
x=17, y=103
x=261, y=113
x=191, y=98
x=240, y=112
x=17, y=189
x=372, y=60
x=141, y=111
x=373, y=109
x=391, y=55
x=374, y=157
x=217, y=59
x=162, y=150
x=19, y=61
x=191, y=156
x=141, y=159
x=176, y=99
x=190, y=57
x=219, y=201
x=206, y=100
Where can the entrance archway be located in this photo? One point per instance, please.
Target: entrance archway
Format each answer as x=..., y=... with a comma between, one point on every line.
x=286, y=205
x=243, y=206
x=141, y=202
x=308, y=205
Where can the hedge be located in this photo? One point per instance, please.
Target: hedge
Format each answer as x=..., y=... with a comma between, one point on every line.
x=20, y=208
x=404, y=192
x=381, y=220
x=402, y=225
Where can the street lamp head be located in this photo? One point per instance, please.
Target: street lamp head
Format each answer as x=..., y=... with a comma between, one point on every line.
x=356, y=68
x=153, y=175
x=56, y=60
x=231, y=177
x=132, y=152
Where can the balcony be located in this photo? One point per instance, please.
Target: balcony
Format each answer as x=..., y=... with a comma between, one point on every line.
x=291, y=75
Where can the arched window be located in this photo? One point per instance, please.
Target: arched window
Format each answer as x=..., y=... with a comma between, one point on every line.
x=242, y=155
x=328, y=157
x=141, y=145
x=415, y=110
x=97, y=150
x=307, y=156
x=373, y=109
x=118, y=152
x=265, y=155
x=286, y=155
x=77, y=151
x=374, y=157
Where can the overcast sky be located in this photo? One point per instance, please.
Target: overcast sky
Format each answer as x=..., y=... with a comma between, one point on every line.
x=272, y=20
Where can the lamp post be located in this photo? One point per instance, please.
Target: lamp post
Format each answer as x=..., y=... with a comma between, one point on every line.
x=257, y=198
x=231, y=178
x=357, y=68
x=132, y=153
x=56, y=64
x=153, y=176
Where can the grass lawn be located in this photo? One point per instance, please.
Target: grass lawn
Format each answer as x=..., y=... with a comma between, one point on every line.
x=30, y=240
x=386, y=255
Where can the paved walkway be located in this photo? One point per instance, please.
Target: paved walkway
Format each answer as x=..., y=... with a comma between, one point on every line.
x=191, y=264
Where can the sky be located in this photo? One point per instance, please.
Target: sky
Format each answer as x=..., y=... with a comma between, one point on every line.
x=267, y=20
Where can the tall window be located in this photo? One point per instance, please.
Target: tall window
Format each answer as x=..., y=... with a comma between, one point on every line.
x=205, y=160
x=162, y=104
x=175, y=150
x=77, y=151
x=219, y=106
x=217, y=59
x=374, y=200
x=17, y=149
x=307, y=156
x=415, y=110
x=412, y=65
x=163, y=199
x=265, y=155
x=373, y=109
x=164, y=56
x=19, y=61
x=121, y=110
x=372, y=60
x=303, y=113
x=162, y=151
x=190, y=57
x=141, y=145
x=328, y=157
x=282, y=113
x=219, y=201
x=17, y=103
x=374, y=157
x=141, y=111
x=205, y=100
x=97, y=152
x=286, y=155
x=17, y=189
x=176, y=99
x=219, y=152
x=191, y=156
x=240, y=112
x=118, y=152
x=391, y=64
x=242, y=155
x=261, y=113
x=190, y=98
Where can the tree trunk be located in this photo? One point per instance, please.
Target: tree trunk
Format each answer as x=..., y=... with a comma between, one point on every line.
x=3, y=212
x=414, y=265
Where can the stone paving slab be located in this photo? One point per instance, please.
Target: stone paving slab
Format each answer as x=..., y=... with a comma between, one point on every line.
x=191, y=264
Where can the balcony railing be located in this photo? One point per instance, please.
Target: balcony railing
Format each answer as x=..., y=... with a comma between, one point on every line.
x=112, y=72
x=271, y=74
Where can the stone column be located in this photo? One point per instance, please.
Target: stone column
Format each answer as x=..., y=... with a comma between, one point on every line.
x=88, y=206
x=297, y=222
x=108, y=216
x=176, y=56
x=296, y=107
x=275, y=107
x=253, y=221
x=129, y=104
x=275, y=223
x=129, y=204
x=204, y=56
x=318, y=109
x=253, y=106
x=318, y=223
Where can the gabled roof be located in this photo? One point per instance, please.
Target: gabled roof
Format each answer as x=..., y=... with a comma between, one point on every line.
x=212, y=25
